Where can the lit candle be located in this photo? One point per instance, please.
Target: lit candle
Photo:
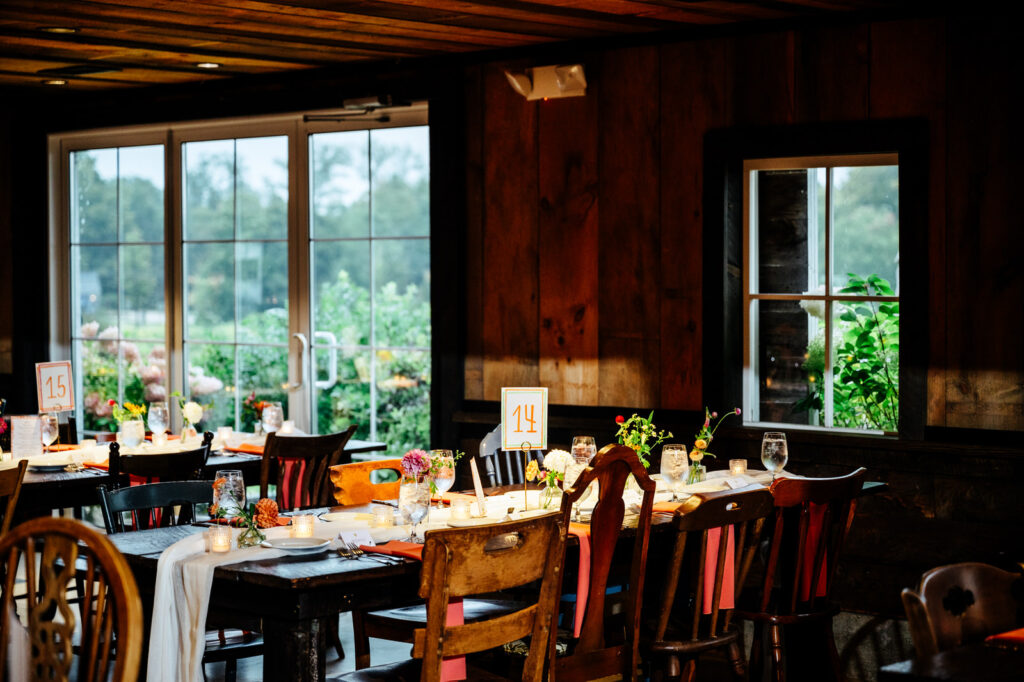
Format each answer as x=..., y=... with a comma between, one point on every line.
x=160, y=439
x=220, y=539
x=737, y=467
x=288, y=426
x=302, y=526
x=224, y=433
x=383, y=517
x=460, y=509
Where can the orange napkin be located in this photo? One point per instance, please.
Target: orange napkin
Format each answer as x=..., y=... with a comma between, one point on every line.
x=97, y=465
x=61, y=447
x=246, y=448
x=281, y=521
x=582, y=533
x=667, y=507
x=448, y=498
x=170, y=436
x=817, y=516
x=728, y=597
x=1013, y=639
x=410, y=550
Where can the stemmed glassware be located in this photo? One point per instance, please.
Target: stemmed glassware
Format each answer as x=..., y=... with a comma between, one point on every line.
x=573, y=471
x=442, y=466
x=583, y=448
x=48, y=430
x=229, y=491
x=774, y=451
x=673, y=467
x=272, y=417
x=159, y=418
x=413, y=503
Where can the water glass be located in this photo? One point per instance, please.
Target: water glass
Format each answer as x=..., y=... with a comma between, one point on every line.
x=413, y=503
x=774, y=452
x=48, y=430
x=442, y=465
x=583, y=448
x=572, y=474
x=229, y=491
x=159, y=417
x=673, y=467
x=133, y=432
x=272, y=417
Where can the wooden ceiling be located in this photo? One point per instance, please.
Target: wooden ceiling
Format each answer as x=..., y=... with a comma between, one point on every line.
x=106, y=44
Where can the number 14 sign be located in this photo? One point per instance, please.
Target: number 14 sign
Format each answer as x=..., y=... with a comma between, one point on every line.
x=524, y=418
x=54, y=387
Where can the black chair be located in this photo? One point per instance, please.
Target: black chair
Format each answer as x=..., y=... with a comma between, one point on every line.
x=139, y=502
x=507, y=468
x=68, y=433
x=174, y=466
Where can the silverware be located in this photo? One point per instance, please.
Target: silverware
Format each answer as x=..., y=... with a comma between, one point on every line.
x=389, y=503
x=356, y=551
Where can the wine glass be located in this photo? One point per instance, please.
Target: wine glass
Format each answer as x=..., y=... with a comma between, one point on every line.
x=272, y=417
x=48, y=430
x=774, y=452
x=159, y=417
x=229, y=491
x=413, y=503
x=583, y=448
x=443, y=465
x=673, y=467
x=573, y=472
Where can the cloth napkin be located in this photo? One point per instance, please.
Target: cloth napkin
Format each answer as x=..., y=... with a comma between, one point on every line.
x=61, y=447
x=247, y=448
x=817, y=515
x=19, y=648
x=727, y=600
x=409, y=550
x=582, y=533
x=1013, y=639
x=184, y=575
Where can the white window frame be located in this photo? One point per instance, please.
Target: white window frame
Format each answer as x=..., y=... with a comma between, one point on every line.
x=751, y=374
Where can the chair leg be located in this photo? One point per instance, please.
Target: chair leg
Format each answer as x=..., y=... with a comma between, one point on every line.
x=833, y=654
x=739, y=666
x=230, y=670
x=362, y=642
x=756, y=661
x=775, y=634
x=689, y=670
x=334, y=638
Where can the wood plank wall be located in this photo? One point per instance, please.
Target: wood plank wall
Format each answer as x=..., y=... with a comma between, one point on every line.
x=590, y=217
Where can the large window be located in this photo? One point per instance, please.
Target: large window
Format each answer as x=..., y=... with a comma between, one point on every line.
x=268, y=260
x=821, y=292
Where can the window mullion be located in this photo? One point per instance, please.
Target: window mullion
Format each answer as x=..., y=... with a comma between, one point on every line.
x=827, y=389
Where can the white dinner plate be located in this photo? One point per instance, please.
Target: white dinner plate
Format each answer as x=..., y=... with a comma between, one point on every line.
x=298, y=545
x=48, y=468
x=346, y=516
x=469, y=523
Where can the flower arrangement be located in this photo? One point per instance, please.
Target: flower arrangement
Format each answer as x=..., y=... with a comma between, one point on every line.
x=126, y=412
x=640, y=434
x=191, y=411
x=703, y=439
x=415, y=462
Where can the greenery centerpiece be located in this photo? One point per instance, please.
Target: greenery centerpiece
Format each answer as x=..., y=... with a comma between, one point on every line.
x=701, y=441
x=641, y=434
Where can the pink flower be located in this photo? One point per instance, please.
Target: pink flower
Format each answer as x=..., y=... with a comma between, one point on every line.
x=737, y=410
x=415, y=462
x=714, y=414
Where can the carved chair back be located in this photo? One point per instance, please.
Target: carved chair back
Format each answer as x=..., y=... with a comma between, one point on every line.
x=300, y=468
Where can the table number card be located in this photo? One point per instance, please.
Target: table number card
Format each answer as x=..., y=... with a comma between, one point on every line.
x=54, y=388
x=478, y=487
x=357, y=537
x=25, y=436
x=524, y=418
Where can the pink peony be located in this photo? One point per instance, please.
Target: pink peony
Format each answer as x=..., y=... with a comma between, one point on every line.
x=415, y=462
x=89, y=329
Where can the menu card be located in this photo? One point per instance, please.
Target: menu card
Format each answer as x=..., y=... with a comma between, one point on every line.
x=26, y=440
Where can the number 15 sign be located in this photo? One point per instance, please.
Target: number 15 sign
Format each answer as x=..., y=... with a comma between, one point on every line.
x=524, y=418
x=54, y=387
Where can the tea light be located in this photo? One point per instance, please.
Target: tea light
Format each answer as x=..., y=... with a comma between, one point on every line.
x=302, y=526
x=287, y=427
x=383, y=517
x=737, y=467
x=220, y=539
x=460, y=509
x=224, y=433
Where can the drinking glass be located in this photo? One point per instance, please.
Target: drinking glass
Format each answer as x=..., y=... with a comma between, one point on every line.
x=229, y=491
x=583, y=448
x=673, y=467
x=443, y=463
x=272, y=417
x=159, y=417
x=413, y=503
x=48, y=429
x=774, y=452
x=572, y=474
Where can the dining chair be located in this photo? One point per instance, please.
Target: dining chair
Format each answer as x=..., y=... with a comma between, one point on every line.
x=108, y=631
x=462, y=562
x=68, y=432
x=806, y=531
x=608, y=643
x=507, y=467
x=353, y=483
x=961, y=604
x=299, y=466
x=10, y=489
x=691, y=619
x=153, y=468
x=139, y=502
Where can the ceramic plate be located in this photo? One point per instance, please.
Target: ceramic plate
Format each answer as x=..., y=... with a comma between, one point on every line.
x=47, y=468
x=346, y=516
x=298, y=545
x=468, y=523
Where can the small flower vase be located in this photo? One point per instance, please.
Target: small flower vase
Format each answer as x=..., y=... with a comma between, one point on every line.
x=696, y=473
x=549, y=496
x=250, y=536
x=188, y=434
x=133, y=432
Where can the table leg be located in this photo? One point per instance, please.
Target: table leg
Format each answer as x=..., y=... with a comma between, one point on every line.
x=295, y=650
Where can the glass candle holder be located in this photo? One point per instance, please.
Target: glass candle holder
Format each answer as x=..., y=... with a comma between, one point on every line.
x=383, y=517
x=224, y=433
x=220, y=539
x=159, y=439
x=737, y=467
x=302, y=526
x=460, y=509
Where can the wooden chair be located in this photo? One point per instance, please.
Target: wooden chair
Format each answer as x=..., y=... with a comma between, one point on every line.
x=139, y=501
x=704, y=514
x=173, y=466
x=961, y=604
x=110, y=617
x=353, y=485
x=10, y=489
x=461, y=562
x=606, y=647
x=806, y=531
x=300, y=468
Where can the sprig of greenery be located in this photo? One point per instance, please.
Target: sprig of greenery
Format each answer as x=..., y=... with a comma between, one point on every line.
x=640, y=434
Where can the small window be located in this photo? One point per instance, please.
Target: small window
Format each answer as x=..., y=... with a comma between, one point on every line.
x=821, y=292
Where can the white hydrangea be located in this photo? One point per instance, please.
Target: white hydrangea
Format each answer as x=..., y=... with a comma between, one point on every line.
x=192, y=411
x=557, y=460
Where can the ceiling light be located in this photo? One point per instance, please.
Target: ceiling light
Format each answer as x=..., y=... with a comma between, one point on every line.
x=55, y=81
x=207, y=65
x=58, y=29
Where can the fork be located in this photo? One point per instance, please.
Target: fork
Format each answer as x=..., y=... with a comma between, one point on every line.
x=355, y=551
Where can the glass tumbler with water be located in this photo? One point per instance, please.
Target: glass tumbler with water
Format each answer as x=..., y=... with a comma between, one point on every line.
x=774, y=452
x=272, y=417
x=229, y=492
x=413, y=503
x=159, y=417
x=583, y=448
x=48, y=430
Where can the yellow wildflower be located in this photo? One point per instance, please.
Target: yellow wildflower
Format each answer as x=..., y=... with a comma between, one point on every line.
x=532, y=470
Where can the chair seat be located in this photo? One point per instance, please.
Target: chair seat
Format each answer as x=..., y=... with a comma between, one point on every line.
x=405, y=671
x=677, y=643
x=472, y=610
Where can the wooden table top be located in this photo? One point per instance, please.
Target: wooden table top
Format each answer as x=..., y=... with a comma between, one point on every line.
x=971, y=663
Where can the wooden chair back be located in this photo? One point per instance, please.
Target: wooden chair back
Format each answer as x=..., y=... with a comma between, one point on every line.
x=600, y=650
x=353, y=485
x=45, y=552
x=10, y=490
x=300, y=468
x=810, y=522
x=172, y=466
x=698, y=517
x=175, y=500
x=507, y=468
x=961, y=604
x=461, y=562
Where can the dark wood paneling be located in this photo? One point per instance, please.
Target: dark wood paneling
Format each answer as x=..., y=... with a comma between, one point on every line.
x=764, y=88
x=474, y=280
x=510, y=294
x=832, y=73
x=568, y=241
x=630, y=260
